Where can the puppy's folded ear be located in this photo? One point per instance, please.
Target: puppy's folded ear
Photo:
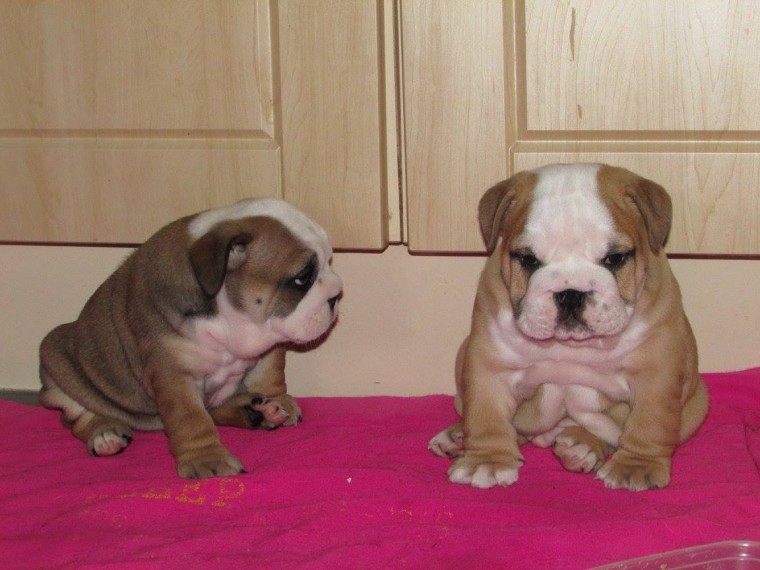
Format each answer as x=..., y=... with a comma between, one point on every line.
x=655, y=206
x=223, y=248
x=498, y=205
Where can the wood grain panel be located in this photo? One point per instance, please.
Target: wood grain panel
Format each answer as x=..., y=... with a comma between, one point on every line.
x=715, y=198
x=454, y=116
x=331, y=69
x=641, y=65
x=122, y=190
x=145, y=65
x=117, y=117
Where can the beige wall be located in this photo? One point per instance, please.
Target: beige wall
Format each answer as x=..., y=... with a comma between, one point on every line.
x=402, y=317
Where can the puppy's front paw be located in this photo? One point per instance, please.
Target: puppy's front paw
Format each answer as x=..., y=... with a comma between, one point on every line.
x=448, y=443
x=626, y=470
x=485, y=472
x=109, y=439
x=209, y=461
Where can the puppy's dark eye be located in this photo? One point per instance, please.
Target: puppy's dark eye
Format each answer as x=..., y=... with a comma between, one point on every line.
x=305, y=279
x=528, y=261
x=616, y=260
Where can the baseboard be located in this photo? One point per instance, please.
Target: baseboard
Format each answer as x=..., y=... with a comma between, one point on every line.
x=23, y=396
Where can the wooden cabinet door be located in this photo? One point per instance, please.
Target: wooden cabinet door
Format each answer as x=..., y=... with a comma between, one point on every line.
x=453, y=89
x=667, y=89
x=117, y=116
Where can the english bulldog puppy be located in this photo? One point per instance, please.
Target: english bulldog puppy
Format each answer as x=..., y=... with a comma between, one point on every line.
x=190, y=331
x=578, y=340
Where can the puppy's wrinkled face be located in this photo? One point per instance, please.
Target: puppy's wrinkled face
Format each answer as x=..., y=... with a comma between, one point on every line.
x=273, y=267
x=574, y=252
x=279, y=280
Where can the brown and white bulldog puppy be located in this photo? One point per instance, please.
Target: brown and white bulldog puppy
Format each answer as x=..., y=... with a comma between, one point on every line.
x=579, y=339
x=190, y=330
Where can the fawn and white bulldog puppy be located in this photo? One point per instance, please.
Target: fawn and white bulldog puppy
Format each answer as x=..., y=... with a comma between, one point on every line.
x=578, y=340
x=189, y=332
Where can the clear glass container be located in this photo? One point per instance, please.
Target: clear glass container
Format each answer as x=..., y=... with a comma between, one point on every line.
x=731, y=555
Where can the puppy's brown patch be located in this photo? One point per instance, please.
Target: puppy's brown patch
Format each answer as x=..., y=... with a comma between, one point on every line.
x=251, y=255
x=641, y=211
x=503, y=212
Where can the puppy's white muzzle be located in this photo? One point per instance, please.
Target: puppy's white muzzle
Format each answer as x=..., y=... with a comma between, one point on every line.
x=575, y=304
x=316, y=312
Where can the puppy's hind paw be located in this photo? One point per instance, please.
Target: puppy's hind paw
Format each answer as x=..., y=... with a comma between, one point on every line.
x=109, y=439
x=577, y=457
x=449, y=442
x=255, y=411
x=271, y=413
x=580, y=451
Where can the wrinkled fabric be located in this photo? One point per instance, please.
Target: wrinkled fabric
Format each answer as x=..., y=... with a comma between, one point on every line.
x=355, y=487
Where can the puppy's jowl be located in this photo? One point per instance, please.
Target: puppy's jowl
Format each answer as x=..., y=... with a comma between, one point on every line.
x=579, y=340
x=189, y=333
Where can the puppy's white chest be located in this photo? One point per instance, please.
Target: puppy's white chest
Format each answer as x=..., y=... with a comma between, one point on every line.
x=600, y=379
x=224, y=356
x=222, y=383
x=227, y=346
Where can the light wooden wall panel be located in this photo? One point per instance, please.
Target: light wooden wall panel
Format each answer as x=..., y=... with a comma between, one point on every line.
x=182, y=65
x=641, y=65
x=123, y=190
x=117, y=117
x=172, y=106
x=332, y=125
x=454, y=113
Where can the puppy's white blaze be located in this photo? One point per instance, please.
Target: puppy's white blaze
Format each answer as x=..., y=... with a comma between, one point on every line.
x=568, y=215
x=311, y=233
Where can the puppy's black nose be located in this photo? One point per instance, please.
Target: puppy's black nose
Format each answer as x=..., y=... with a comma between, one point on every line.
x=332, y=302
x=570, y=299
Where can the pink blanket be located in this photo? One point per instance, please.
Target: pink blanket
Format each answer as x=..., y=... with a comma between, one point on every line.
x=355, y=487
